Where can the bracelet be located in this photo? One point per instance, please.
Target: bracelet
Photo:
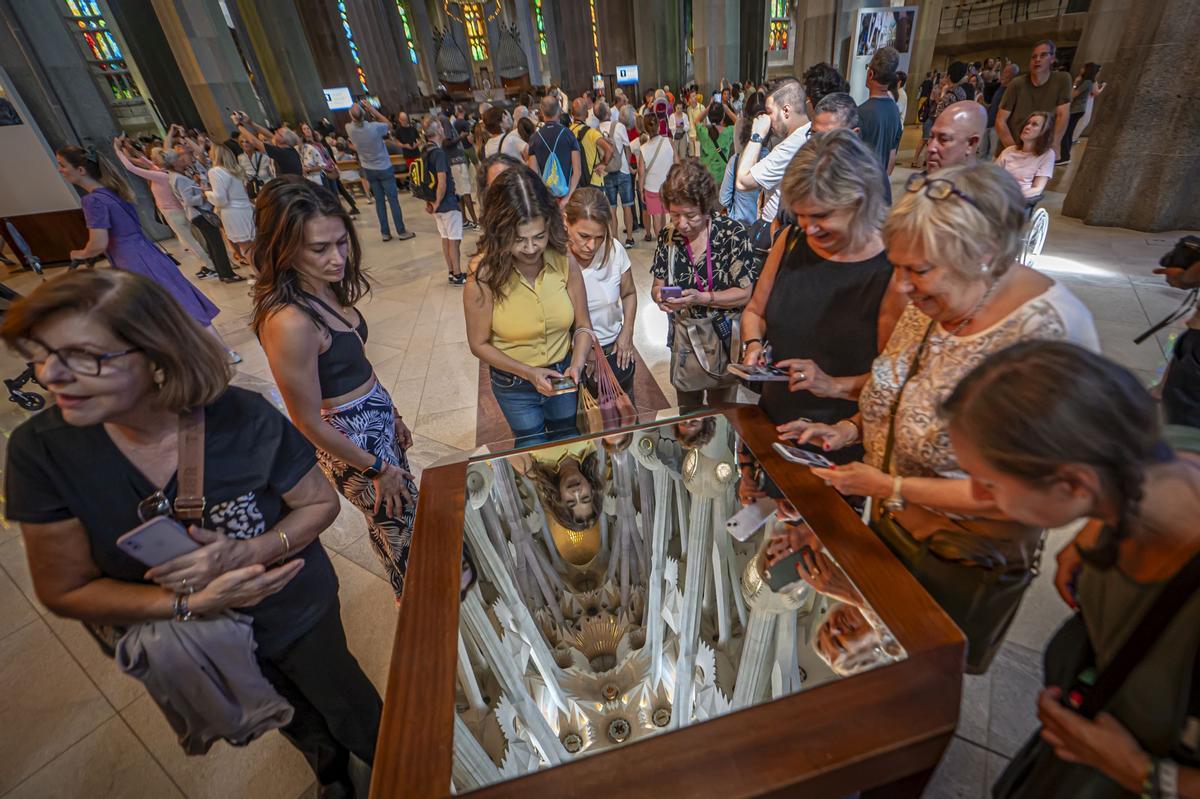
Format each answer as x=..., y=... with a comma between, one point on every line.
x=1168, y=779
x=179, y=608
x=857, y=430
x=287, y=545
x=1150, y=787
x=579, y=330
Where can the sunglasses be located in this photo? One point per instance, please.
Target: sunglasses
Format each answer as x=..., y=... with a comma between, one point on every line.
x=937, y=188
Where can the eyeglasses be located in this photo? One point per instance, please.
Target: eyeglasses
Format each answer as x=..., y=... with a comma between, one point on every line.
x=937, y=188
x=154, y=506
x=81, y=362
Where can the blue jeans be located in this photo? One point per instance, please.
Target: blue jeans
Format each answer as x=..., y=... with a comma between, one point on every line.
x=618, y=184
x=534, y=419
x=383, y=184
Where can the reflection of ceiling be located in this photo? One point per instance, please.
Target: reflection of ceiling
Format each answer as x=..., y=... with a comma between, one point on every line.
x=664, y=622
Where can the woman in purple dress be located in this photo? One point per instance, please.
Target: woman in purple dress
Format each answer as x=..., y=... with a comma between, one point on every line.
x=114, y=230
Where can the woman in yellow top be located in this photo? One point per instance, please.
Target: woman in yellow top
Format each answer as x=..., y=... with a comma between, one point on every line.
x=526, y=309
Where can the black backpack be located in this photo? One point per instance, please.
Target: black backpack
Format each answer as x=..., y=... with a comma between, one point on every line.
x=423, y=180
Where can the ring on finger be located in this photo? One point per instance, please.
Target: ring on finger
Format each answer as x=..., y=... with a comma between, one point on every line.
x=801, y=376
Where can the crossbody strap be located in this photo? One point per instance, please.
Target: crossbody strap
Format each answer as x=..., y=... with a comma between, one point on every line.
x=886, y=465
x=1090, y=701
x=189, y=499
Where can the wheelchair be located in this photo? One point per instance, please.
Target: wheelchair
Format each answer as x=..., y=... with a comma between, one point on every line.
x=1037, y=225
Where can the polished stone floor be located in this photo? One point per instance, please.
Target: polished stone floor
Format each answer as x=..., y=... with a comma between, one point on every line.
x=71, y=725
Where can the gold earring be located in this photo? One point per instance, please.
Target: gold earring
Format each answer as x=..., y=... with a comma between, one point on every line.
x=159, y=379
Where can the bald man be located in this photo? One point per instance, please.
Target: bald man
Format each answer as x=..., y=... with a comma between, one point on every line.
x=956, y=135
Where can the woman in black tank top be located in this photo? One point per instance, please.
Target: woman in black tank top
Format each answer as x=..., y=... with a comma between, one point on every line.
x=822, y=308
x=307, y=256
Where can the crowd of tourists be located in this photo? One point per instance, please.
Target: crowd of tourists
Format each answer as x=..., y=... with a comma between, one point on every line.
x=950, y=385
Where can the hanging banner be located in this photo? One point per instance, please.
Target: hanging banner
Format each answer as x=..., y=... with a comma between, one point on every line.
x=876, y=28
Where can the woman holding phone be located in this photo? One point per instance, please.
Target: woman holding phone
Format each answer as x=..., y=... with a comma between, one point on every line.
x=527, y=309
x=605, y=266
x=310, y=279
x=123, y=361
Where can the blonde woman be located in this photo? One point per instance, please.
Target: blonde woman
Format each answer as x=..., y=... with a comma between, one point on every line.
x=229, y=198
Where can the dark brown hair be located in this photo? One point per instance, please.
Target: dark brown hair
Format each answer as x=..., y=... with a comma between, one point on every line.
x=516, y=197
x=545, y=480
x=142, y=314
x=281, y=209
x=1042, y=143
x=690, y=183
x=98, y=168
x=1039, y=405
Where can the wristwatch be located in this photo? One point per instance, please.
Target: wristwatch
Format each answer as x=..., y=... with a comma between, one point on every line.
x=754, y=137
x=895, y=503
x=372, y=471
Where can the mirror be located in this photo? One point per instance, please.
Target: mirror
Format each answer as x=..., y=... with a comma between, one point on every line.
x=613, y=603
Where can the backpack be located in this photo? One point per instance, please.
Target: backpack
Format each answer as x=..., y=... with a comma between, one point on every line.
x=618, y=158
x=422, y=179
x=585, y=169
x=553, y=175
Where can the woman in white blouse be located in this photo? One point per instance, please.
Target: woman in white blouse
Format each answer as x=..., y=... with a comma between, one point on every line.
x=229, y=198
x=612, y=297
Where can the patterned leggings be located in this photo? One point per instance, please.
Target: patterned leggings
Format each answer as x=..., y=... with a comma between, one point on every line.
x=370, y=422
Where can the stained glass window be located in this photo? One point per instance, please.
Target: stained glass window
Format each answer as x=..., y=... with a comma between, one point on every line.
x=595, y=36
x=354, y=56
x=780, y=28
x=541, y=25
x=408, y=36
x=102, y=49
x=472, y=14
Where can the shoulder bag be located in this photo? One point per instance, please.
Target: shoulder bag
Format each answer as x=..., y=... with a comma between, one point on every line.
x=977, y=570
x=611, y=408
x=701, y=348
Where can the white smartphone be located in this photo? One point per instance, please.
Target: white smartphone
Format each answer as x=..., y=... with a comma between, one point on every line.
x=157, y=541
x=749, y=519
x=758, y=374
x=802, y=456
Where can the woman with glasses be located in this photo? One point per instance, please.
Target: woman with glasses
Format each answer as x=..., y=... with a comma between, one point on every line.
x=705, y=263
x=123, y=362
x=954, y=242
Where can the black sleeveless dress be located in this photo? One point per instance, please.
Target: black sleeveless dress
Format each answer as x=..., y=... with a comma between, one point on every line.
x=828, y=312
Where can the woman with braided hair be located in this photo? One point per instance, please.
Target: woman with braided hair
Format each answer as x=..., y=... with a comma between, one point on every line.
x=1050, y=433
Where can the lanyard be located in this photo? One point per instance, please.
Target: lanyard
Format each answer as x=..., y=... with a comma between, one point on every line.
x=687, y=246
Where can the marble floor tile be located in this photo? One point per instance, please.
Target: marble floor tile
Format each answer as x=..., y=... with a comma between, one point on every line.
x=348, y=526
x=1042, y=610
x=16, y=566
x=960, y=774
x=268, y=768
x=426, y=452
x=369, y=617
x=995, y=767
x=118, y=687
x=1016, y=676
x=975, y=708
x=110, y=763
x=47, y=703
x=406, y=394
x=360, y=552
x=15, y=610
x=454, y=428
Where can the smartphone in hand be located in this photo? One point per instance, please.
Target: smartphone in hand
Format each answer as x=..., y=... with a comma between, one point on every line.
x=157, y=541
x=803, y=457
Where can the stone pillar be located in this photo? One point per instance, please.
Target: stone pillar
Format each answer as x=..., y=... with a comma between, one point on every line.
x=527, y=26
x=157, y=70
x=920, y=59
x=208, y=60
x=716, y=38
x=1140, y=168
x=381, y=46
x=1100, y=42
x=422, y=25
x=288, y=72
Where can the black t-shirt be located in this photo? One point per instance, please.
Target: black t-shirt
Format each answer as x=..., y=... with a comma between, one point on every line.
x=407, y=136
x=436, y=161
x=287, y=160
x=464, y=129
x=252, y=456
x=562, y=140
x=452, y=143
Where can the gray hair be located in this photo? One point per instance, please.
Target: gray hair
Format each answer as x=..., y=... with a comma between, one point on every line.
x=289, y=138
x=884, y=64
x=961, y=235
x=839, y=171
x=843, y=106
x=550, y=107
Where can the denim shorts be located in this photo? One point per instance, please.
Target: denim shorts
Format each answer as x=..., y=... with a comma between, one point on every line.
x=618, y=183
x=534, y=419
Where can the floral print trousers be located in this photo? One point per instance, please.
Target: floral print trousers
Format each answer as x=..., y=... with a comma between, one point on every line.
x=370, y=422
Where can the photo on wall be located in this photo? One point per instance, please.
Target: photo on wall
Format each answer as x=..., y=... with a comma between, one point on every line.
x=8, y=112
x=886, y=28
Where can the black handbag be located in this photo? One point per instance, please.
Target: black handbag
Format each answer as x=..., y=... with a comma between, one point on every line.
x=976, y=570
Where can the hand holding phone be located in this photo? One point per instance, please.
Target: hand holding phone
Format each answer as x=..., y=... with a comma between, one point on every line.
x=670, y=293
x=803, y=457
x=747, y=521
x=158, y=541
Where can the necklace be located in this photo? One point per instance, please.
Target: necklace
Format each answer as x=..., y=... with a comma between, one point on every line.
x=974, y=310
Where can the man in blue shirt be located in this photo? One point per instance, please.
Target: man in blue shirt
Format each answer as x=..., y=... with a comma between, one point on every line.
x=566, y=148
x=879, y=116
x=445, y=206
x=367, y=138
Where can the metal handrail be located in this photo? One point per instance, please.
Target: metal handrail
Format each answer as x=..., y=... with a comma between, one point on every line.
x=979, y=15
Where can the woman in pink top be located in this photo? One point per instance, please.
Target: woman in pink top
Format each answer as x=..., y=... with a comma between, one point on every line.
x=1032, y=161
x=168, y=205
